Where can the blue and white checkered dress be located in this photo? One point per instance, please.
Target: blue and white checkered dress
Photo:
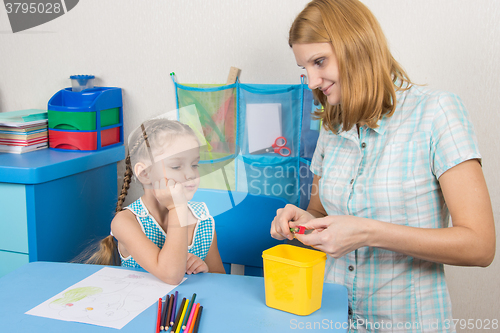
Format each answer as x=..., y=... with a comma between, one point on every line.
x=203, y=232
x=390, y=174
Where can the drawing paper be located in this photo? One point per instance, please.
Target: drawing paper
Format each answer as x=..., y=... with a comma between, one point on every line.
x=264, y=125
x=111, y=297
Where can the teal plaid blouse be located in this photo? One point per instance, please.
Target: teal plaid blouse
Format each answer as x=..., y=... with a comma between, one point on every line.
x=203, y=232
x=390, y=174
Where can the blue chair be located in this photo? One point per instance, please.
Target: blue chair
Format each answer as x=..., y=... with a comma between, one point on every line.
x=243, y=224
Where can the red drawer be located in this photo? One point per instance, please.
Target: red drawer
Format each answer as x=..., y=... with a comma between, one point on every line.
x=110, y=136
x=82, y=140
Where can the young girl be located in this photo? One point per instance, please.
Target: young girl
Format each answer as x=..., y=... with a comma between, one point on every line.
x=163, y=232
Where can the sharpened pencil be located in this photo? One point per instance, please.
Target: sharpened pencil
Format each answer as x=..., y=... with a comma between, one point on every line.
x=190, y=326
x=179, y=326
x=191, y=302
x=198, y=318
x=179, y=312
x=164, y=312
x=158, y=318
x=191, y=314
x=172, y=315
x=169, y=310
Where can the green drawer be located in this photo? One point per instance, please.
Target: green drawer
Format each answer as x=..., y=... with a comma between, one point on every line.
x=14, y=221
x=110, y=117
x=10, y=261
x=82, y=121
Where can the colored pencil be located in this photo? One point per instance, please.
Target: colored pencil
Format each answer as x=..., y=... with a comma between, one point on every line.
x=179, y=325
x=179, y=312
x=195, y=330
x=172, y=316
x=166, y=320
x=164, y=312
x=184, y=322
x=158, y=318
x=192, y=320
x=191, y=314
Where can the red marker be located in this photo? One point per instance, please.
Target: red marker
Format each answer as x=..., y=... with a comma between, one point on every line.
x=301, y=230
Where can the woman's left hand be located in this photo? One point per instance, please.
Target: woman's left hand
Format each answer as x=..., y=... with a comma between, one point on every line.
x=195, y=265
x=336, y=235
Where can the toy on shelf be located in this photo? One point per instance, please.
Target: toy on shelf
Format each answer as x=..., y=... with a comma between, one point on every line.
x=81, y=82
x=85, y=117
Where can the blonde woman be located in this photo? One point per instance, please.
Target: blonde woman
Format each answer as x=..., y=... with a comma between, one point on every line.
x=393, y=162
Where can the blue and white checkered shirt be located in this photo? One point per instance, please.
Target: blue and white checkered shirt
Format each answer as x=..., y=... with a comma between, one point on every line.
x=203, y=232
x=391, y=174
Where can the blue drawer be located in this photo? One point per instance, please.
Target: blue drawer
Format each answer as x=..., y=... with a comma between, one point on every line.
x=13, y=225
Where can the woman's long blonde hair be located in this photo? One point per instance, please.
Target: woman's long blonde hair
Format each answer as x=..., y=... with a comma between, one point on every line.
x=369, y=75
x=156, y=133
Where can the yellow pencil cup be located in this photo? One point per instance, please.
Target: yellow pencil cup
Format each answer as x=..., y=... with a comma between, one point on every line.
x=293, y=278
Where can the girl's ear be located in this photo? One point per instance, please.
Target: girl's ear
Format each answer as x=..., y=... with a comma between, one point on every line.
x=141, y=172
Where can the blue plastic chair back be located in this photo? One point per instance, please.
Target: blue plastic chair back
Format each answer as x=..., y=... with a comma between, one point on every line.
x=243, y=224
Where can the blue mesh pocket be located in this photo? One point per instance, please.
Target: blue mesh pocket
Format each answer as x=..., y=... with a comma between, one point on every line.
x=269, y=175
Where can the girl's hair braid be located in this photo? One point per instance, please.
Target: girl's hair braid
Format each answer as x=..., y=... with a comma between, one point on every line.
x=127, y=178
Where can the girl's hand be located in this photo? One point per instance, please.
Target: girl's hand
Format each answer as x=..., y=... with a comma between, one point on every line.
x=169, y=193
x=286, y=218
x=336, y=235
x=195, y=265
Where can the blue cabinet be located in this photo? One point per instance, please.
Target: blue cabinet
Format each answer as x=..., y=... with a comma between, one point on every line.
x=53, y=204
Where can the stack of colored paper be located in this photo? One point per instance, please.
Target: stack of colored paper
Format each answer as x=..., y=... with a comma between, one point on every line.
x=23, y=131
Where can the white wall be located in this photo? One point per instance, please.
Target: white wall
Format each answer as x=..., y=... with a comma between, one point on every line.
x=449, y=44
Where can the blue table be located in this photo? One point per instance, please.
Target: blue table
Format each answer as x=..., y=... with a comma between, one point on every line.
x=54, y=203
x=231, y=303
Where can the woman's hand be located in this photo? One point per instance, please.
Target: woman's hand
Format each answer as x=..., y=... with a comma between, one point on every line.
x=195, y=265
x=169, y=193
x=336, y=235
x=286, y=218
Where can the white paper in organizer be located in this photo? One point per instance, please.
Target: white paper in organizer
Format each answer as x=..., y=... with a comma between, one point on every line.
x=263, y=125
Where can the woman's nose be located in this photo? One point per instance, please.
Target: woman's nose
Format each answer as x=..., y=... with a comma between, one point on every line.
x=314, y=81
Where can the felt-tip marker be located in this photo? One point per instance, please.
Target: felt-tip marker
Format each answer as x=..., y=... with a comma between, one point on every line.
x=301, y=230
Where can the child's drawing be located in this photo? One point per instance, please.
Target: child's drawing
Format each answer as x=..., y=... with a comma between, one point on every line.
x=111, y=297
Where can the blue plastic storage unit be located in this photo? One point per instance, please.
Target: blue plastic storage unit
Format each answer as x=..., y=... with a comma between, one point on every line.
x=54, y=203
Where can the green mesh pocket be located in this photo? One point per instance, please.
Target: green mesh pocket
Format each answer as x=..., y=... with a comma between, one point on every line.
x=216, y=113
